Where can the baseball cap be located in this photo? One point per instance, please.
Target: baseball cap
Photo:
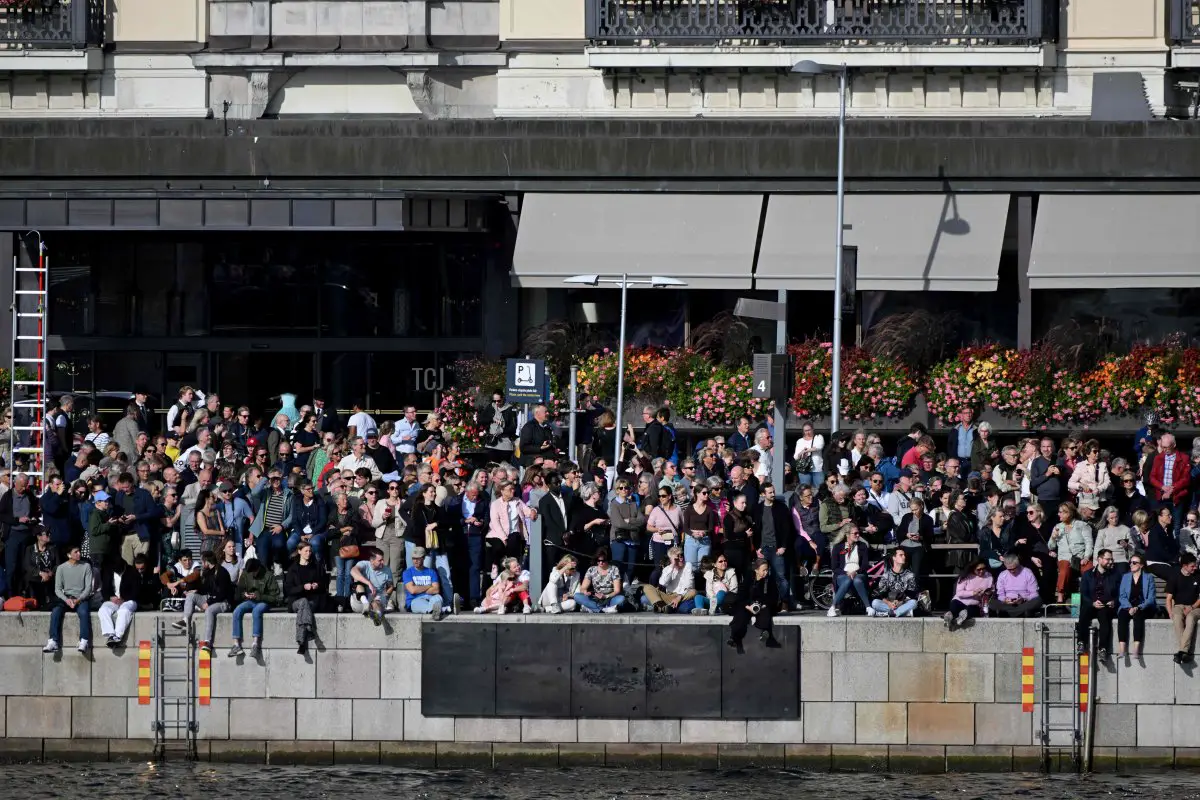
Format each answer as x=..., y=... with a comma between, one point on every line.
x=100, y=496
x=418, y=552
x=225, y=486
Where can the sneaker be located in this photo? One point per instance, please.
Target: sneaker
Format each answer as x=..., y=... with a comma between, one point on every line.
x=84, y=645
x=208, y=648
x=870, y=611
x=526, y=609
x=699, y=612
x=833, y=612
x=256, y=650
x=236, y=650
x=963, y=616
x=1178, y=657
x=179, y=625
x=112, y=642
x=802, y=571
x=1102, y=654
x=480, y=610
x=610, y=609
x=457, y=604
x=302, y=650
x=51, y=646
x=948, y=618
x=502, y=609
x=439, y=615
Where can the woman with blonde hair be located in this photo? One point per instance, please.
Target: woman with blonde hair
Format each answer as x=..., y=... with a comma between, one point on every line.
x=1071, y=543
x=559, y=594
x=510, y=585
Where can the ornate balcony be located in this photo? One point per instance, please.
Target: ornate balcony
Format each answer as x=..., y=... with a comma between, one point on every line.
x=1185, y=22
x=51, y=24
x=794, y=23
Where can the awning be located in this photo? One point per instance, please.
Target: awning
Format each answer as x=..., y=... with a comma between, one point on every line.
x=1116, y=241
x=906, y=242
x=706, y=240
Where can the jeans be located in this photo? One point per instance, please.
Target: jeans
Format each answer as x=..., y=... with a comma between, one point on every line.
x=425, y=604
x=257, y=610
x=475, y=569
x=317, y=540
x=844, y=583
x=810, y=478
x=594, y=607
x=903, y=610
x=84, y=611
x=343, y=566
x=782, y=576
x=14, y=552
x=440, y=562
x=271, y=548
x=122, y=615
x=695, y=549
x=658, y=551
x=624, y=555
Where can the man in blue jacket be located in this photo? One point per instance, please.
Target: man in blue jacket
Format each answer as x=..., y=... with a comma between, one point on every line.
x=139, y=515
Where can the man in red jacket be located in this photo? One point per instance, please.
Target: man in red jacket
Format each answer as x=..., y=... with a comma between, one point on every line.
x=1169, y=477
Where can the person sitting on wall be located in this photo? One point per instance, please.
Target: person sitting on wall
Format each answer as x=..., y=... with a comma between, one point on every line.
x=1183, y=606
x=1016, y=590
x=73, y=589
x=124, y=587
x=559, y=594
x=675, y=590
x=1099, y=592
x=305, y=587
x=423, y=592
x=257, y=591
x=374, y=587
x=757, y=601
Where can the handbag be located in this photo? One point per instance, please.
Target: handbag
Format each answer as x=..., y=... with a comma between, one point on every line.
x=348, y=547
x=804, y=463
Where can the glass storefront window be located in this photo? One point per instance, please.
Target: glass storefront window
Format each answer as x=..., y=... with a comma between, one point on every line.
x=1120, y=318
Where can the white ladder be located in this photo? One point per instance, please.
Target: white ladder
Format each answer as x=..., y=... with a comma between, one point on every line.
x=28, y=372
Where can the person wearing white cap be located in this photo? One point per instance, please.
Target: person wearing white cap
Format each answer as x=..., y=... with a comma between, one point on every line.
x=423, y=593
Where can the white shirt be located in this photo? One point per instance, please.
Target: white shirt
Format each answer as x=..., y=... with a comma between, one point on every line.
x=362, y=424
x=677, y=581
x=355, y=464
x=100, y=440
x=405, y=437
x=897, y=504
x=764, y=462
x=816, y=444
x=182, y=462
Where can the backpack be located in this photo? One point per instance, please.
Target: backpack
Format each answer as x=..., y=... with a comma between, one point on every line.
x=20, y=604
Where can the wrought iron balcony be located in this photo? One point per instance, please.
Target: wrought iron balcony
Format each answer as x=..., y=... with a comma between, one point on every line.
x=815, y=22
x=43, y=24
x=1185, y=22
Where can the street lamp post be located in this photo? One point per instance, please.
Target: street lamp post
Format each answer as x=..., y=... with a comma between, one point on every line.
x=807, y=67
x=624, y=281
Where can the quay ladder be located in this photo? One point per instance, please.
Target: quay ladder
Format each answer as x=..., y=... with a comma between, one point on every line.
x=1061, y=732
x=175, y=723
x=28, y=371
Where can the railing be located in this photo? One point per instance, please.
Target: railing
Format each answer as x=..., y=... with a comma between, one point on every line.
x=40, y=24
x=1185, y=22
x=711, y=22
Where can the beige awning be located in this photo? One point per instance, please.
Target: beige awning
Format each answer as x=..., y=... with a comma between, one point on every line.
x=706, y=240
x=1116, y=241
x=906, y=242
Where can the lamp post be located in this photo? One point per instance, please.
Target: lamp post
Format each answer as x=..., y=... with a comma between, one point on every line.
x=807, y=67
x=624, y=281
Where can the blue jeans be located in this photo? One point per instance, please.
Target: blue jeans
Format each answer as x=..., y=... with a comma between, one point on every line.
x=624, y=555
x=475, y=568
x=594, y=607
x=783, y=576
x=441, y=563
x=844, y=583
x=343, y=566
x=658, y=551
x=257, y=610
x=695, y=549
x=83, y=610
x=272, y=549
x=810, y=478
x=317, y=540
x=902, y=610
x=425, y=604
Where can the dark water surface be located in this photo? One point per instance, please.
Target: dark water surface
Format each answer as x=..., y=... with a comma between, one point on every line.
x=213, y=781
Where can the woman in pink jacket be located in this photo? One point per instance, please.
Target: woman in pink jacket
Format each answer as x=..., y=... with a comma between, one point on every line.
x=508, y=527
x=972, y=591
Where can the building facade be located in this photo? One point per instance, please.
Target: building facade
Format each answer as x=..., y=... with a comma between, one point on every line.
x=260, y=196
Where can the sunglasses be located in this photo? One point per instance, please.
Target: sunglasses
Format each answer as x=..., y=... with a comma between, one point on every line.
x=664, y=494
x=1135, y=563
x=702, y=491
x=393, y=488
x=370, y=491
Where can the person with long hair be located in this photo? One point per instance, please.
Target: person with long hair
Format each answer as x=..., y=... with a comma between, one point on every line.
x=559, y=594
x=1071, y=543
x=699, y=524
x=972, y=591
x=1114, y=537
x=601, y=589
x=739, y=530
x=1137, y=602
x=428, y=528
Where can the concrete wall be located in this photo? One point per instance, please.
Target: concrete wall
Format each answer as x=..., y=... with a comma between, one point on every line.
x=877, y=694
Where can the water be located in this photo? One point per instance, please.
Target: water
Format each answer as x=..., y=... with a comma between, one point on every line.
x=209, y=781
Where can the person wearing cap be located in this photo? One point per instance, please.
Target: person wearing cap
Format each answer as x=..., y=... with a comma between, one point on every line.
x=235, y=513
x=422, y=590
x=757, y=600
x=101, y=528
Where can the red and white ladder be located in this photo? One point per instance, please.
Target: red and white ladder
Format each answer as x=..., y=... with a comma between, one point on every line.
x=28, y=373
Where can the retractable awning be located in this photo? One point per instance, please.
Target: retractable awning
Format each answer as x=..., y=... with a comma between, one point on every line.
x=1116, y=241
x=706, y=240
x=906, y=242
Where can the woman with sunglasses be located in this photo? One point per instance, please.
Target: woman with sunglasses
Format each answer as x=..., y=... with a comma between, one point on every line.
x=1137, y=602
x=389, y=525
x=699, y=525
x=628, y=522
x=1115, y=537
x=972, y=591
x=344, y=528
x=664, y=523
x=601, y=589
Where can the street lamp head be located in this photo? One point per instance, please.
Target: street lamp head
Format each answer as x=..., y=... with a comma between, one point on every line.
x=659, y=282
x=583, y=280
x=809, y=67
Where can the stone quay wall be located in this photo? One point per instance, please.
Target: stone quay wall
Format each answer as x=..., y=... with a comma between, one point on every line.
x=875, y=695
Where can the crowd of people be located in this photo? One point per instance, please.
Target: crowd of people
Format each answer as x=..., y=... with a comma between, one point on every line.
x=215, y=512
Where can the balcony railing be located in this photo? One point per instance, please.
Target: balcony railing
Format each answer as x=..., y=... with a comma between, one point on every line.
x=1185, y=21
x=811, y=22
x=42, y=24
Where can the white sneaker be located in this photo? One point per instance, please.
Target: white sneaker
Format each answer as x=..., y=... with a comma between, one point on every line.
x=526, y=610
x=502, y=610
x=963, y=616
x=83, y=646
x=610, y=609
x=833, y=612
x=278, y=570
x=870, y=611
x=51, y=646
x=479, y=610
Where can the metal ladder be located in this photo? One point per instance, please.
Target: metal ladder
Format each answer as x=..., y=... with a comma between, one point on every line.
x=27, y=388
x=1061, y=731
x=175, y=724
